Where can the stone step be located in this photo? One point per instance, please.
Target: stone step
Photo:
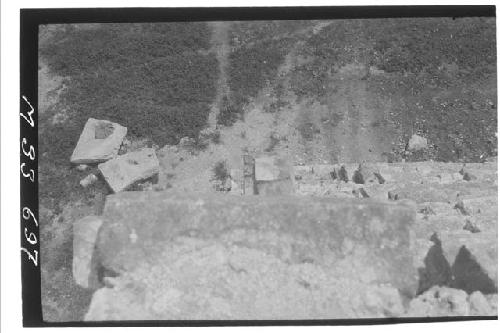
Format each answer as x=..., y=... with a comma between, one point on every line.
x=413, y=191
x=427, y=172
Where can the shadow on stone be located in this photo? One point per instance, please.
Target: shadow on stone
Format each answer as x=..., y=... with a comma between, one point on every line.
x=469, y=276
x=437, y=270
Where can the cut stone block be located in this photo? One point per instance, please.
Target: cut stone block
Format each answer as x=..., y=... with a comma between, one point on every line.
x=125, y=170
x=100, y=141
x=236, y=181
x=248, y=175
x=269, y=168
x=370, y=240
x=190, y=256
x=276, y=187
x=85, y=233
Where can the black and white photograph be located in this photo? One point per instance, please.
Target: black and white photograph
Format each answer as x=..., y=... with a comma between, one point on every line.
x=267, y=170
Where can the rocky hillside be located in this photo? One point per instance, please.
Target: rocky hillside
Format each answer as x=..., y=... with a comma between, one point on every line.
x=201, y=94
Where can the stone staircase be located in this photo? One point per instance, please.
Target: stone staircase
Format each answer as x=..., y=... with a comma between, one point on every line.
x=346, y=244
x=445, y=204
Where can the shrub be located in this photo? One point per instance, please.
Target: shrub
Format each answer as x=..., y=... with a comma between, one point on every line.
x=220, y=171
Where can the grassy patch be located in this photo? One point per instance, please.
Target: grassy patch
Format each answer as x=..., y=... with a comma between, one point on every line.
x=260, y=48
x=435, y=68
x=150, y=78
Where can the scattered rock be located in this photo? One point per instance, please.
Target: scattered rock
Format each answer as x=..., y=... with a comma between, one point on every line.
x=89, y=180
x=125, y=170
x=364, y=175
x=186, y=142
x=427, y=210
x=417, y=142
x=360, y=193
x=82, y=167
x=439, y=302
x=85, y=265
x=461, y=207
x=343, y=176
x=99, y=141
x=381, y=180
x=467, y=176
x=391, y=195
x=479, y=305
x=469, y=226
x=146, y=186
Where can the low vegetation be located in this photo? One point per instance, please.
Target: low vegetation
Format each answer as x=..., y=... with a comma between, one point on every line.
x=259, y=49
x=436, y=73
x=150, y=78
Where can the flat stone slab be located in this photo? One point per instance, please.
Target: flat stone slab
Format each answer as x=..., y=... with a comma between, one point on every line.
x=371, y=238
x=125, y=170
x=99, y=141
x=85, y=233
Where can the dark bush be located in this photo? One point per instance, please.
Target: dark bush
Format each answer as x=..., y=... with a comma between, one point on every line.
x=220, y=171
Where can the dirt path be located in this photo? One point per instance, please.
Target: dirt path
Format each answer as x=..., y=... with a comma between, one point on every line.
x=362, y=134
x=221, y=48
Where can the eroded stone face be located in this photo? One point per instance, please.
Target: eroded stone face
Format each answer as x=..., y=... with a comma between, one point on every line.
x=129, y=168
x=216, y=256
x=100, y=141
x=85, y=233
x=269, y=168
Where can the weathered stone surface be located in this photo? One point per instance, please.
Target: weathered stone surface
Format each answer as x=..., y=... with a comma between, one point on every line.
x=100, y=141
x=269, y=168
x=275, y=187
x=371, y=234
x=236, y=181
x=417, y=142
x=129, y=168
x=473, y=257
x=89, y=180
x=214, y=256
x=444, y=301
x=439, y=302
x=85, y=233
x=249, y=187
x=82, y=167
x=479, y=305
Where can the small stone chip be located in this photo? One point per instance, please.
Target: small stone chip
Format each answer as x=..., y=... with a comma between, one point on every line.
x=469, y=226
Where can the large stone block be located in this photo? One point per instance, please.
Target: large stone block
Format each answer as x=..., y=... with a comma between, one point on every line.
x=270, y=167
x=364, y=240
x=85, y=233
x=99, y=141
x=125, y=170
